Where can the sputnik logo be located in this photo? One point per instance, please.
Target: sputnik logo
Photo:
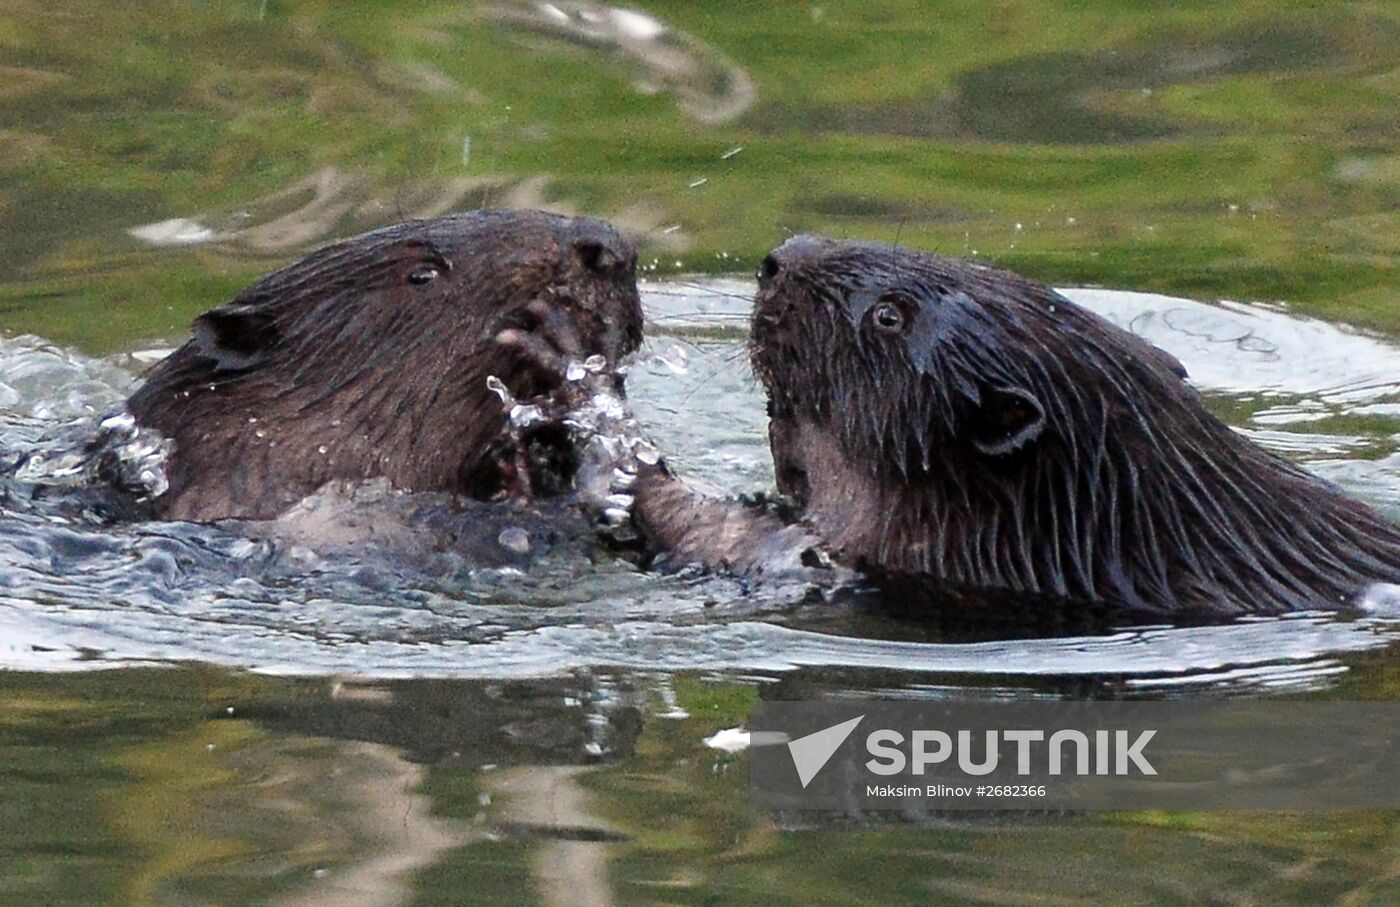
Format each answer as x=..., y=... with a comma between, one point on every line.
x=812, y=752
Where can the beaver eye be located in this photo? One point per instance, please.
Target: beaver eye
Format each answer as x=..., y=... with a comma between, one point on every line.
x=888, y=317
x=422, y=274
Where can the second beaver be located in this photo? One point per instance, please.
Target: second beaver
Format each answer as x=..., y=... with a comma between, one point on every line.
x=370, y=358
x=939, y=419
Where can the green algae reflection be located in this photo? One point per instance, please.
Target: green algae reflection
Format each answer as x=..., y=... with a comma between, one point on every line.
x=1244, y=151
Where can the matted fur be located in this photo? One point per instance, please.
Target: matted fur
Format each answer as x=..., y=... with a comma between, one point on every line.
x=370, y=358
x=920, y=451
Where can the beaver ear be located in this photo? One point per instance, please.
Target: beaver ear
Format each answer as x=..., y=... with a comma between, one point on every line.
x=235, y=336
x=1005, y=420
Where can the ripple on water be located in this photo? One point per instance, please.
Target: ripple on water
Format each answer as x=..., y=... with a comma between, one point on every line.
x=77, y=596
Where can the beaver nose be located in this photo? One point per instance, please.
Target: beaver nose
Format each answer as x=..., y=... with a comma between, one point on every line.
x=768, y=269
x=788, y=257
x=602, y=250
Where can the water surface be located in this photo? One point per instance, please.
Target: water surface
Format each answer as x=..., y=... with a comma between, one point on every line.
x=188, y=715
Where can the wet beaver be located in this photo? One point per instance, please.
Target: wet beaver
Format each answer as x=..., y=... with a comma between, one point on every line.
x=942, y=420
x=370, y=358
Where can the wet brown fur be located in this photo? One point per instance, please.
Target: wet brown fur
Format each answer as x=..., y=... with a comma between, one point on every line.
x=1004, y=438
x=370, y=358
x=942, y=420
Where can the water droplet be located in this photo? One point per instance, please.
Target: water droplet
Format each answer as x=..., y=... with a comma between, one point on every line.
x=514, y=540
x=525, y=415
x=498, y=387
x=676, y=359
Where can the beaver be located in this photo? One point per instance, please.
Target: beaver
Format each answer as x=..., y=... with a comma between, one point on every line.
x=370, y=358
x=941, y=420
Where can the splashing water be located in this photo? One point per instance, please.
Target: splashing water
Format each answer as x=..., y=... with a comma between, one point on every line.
x=74, y=595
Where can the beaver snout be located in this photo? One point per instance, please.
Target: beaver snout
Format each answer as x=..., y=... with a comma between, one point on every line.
x=791, y=256
x=602, y=258
x=608, y=306
x=782, y=276
x=601, y=249
x=768, y=269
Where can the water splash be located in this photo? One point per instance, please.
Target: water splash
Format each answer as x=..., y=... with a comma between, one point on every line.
x=74, y=596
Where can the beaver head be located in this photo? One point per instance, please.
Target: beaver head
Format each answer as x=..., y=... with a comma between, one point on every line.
x=942, y=418
x=370, y=358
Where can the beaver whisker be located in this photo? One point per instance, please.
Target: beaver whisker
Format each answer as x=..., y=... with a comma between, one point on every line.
x=670, y=295
x=711, y=290
x=709, y=375
x=707, y=316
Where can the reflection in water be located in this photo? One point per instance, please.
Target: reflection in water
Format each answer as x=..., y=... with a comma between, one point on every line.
x=1106, y=96
x=301, y=820
x=372, y=806
x=328, y=203
x=709, y=88
x=526, y=743
x=571, y=864
x=228, y=103
x=332, y=204
x=337, y=201
x=593, y=788
x=296, y=792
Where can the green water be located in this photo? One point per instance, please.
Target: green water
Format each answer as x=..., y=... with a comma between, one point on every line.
x=142, y=787
x=1244, y=151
